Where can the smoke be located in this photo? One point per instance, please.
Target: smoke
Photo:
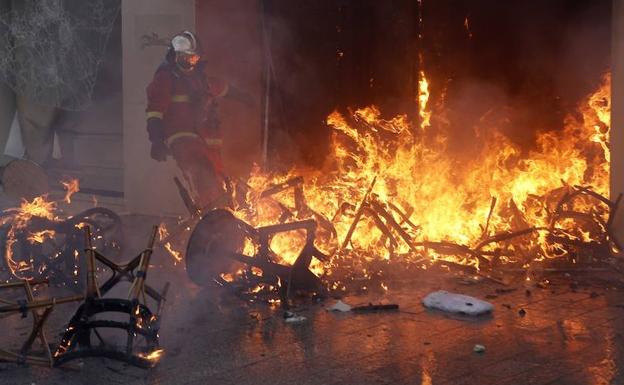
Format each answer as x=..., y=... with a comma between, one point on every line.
x=231, y=36
x=522, y=69
x=585, y=50
x=528, y=60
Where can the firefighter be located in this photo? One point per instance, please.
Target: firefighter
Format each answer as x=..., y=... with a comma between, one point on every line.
x=182, y=117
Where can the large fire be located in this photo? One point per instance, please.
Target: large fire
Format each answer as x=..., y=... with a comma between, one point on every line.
x=438, y=196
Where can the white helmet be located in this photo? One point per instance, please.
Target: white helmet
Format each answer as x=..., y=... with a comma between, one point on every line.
x=186, y=43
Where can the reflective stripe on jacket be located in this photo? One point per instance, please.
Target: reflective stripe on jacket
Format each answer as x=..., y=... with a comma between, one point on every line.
x=185, y=102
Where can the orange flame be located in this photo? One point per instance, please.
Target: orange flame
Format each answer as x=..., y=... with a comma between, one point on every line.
x=154, y=356
x=449, y=197
x=163, y=233
x=19, y=218
x=423, y=99
x=467, y=26
x=41, y=236
x=72, y=187
x=177, y=256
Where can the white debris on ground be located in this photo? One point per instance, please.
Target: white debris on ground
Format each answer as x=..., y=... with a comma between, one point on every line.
x=340, y=307
x=456, y=303
x=479, y=348
x=291, y=317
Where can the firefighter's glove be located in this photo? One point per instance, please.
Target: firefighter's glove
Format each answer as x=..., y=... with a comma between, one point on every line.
x=156, y=132
x=159, y=151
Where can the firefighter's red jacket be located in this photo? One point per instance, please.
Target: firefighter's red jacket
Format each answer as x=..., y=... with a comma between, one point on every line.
x=186, y=103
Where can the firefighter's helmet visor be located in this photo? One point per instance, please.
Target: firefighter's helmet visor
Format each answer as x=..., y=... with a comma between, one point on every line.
x=187, y=61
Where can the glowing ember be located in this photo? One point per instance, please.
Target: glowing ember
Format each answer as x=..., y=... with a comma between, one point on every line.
x=163, y=233
x=467, y=26
x=154, y=356
x=227, y=277
x=177, y=256
x=41, y=236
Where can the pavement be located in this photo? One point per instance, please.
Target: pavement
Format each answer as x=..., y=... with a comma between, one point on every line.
x=567, y=332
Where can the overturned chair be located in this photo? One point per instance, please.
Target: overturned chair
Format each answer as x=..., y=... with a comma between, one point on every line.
x=40, y=309
x=141, y=326
x=83, y=336
x=217, y=247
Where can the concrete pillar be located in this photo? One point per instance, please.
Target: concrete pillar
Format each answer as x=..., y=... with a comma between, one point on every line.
x=148, y=185
x=617, y=112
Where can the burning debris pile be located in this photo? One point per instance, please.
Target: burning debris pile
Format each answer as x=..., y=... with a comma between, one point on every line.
x=39, y=243
x=393, y=197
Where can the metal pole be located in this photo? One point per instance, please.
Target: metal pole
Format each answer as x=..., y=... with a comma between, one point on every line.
x=267, y=87
x=265, y=127
x=616, y=139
